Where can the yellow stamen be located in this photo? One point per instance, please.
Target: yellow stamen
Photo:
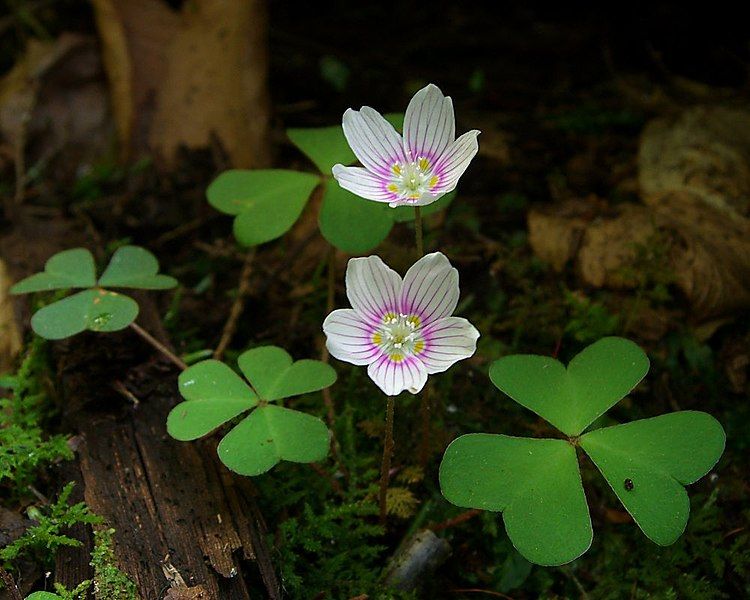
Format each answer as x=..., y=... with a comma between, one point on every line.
x=395, y=357
x=377, y=339
x=418, y=346
x=393, y=188
x=424, y=164
x=396, y=169
x=433, y=181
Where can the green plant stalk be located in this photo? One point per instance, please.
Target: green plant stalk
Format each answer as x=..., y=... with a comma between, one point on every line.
x=418, y=231
x=159, y=346
x=385, y=467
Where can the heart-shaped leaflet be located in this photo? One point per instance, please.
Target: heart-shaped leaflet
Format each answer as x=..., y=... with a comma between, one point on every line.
x=534, y=482
x=135, y=267
x=214, y=394
x=647, y=463
x=573, y=398
x=95, y=310
x=273, y=374
x=271, y=434
x=67, y=269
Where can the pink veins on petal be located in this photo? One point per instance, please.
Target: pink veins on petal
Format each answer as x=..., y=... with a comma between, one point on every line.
x=415, y=169
x=402, y=330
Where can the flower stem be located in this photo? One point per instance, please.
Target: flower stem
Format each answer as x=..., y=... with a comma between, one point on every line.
x=418, y=230
x=385, y=467
x=159, y=346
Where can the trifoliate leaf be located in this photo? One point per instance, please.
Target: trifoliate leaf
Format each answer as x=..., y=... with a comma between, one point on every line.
x=67, y=269
x=571, y=399
x=271, y=434
x=535, y=483
x=274, y=376
x=95, y=310
x=266, y=202
x=647, y=463
x=214, y=394
x=350, y=223
x=135, y=267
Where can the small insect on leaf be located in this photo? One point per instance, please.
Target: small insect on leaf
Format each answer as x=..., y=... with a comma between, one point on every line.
x=628, y=484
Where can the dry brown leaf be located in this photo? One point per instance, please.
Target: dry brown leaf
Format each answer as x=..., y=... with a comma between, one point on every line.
x=707, y=250
x=54, y=107
x=10, y=336
x=188, y=78
x=704, y=150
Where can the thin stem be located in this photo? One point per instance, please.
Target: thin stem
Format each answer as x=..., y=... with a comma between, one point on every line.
x=418, y=230
x=159, y=346
x=243, y=288
x=385, y=467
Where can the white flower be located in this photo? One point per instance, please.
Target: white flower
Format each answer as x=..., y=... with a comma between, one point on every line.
x=403, y=330
x=415, y=170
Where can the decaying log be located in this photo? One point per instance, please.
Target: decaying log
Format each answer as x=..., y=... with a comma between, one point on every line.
x=180, y=517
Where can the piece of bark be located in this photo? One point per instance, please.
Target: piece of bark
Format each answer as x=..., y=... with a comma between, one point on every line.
x=188, y=77
x=10, y=335
x=170, y=502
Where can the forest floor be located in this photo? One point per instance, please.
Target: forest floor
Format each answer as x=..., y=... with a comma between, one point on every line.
x=542, y=146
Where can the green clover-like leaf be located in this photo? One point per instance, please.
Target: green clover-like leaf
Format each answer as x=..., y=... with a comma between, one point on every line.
x=327, y=146
x=351, y=223
x=571, y=399
x=272, y=434
x=647, y=463
x=93, y=310
x=214, y=394
x=535, y=484
x=135, y=267
x=274, y=376
x=65, y=270
x=266, y=202
x=43, y=596
x=324, y=146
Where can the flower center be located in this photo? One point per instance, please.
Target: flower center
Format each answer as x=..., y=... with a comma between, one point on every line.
x=399, y=336
x=413, y=179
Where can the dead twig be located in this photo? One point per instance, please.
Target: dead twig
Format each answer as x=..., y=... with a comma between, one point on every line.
x=243, y=289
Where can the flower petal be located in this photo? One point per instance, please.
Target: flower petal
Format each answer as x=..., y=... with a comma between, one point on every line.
x=372, y=288
x=349, y=337
x=423, y=200
x=363, y=183
x=395, y=377
x=446, y=342
x=452, y=164
x=430, y=288
x=429, y=124
x=373, y=140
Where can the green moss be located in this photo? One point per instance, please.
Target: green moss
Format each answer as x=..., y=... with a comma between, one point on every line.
x=42, y=540
x=24, y=448
x=110, y=583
